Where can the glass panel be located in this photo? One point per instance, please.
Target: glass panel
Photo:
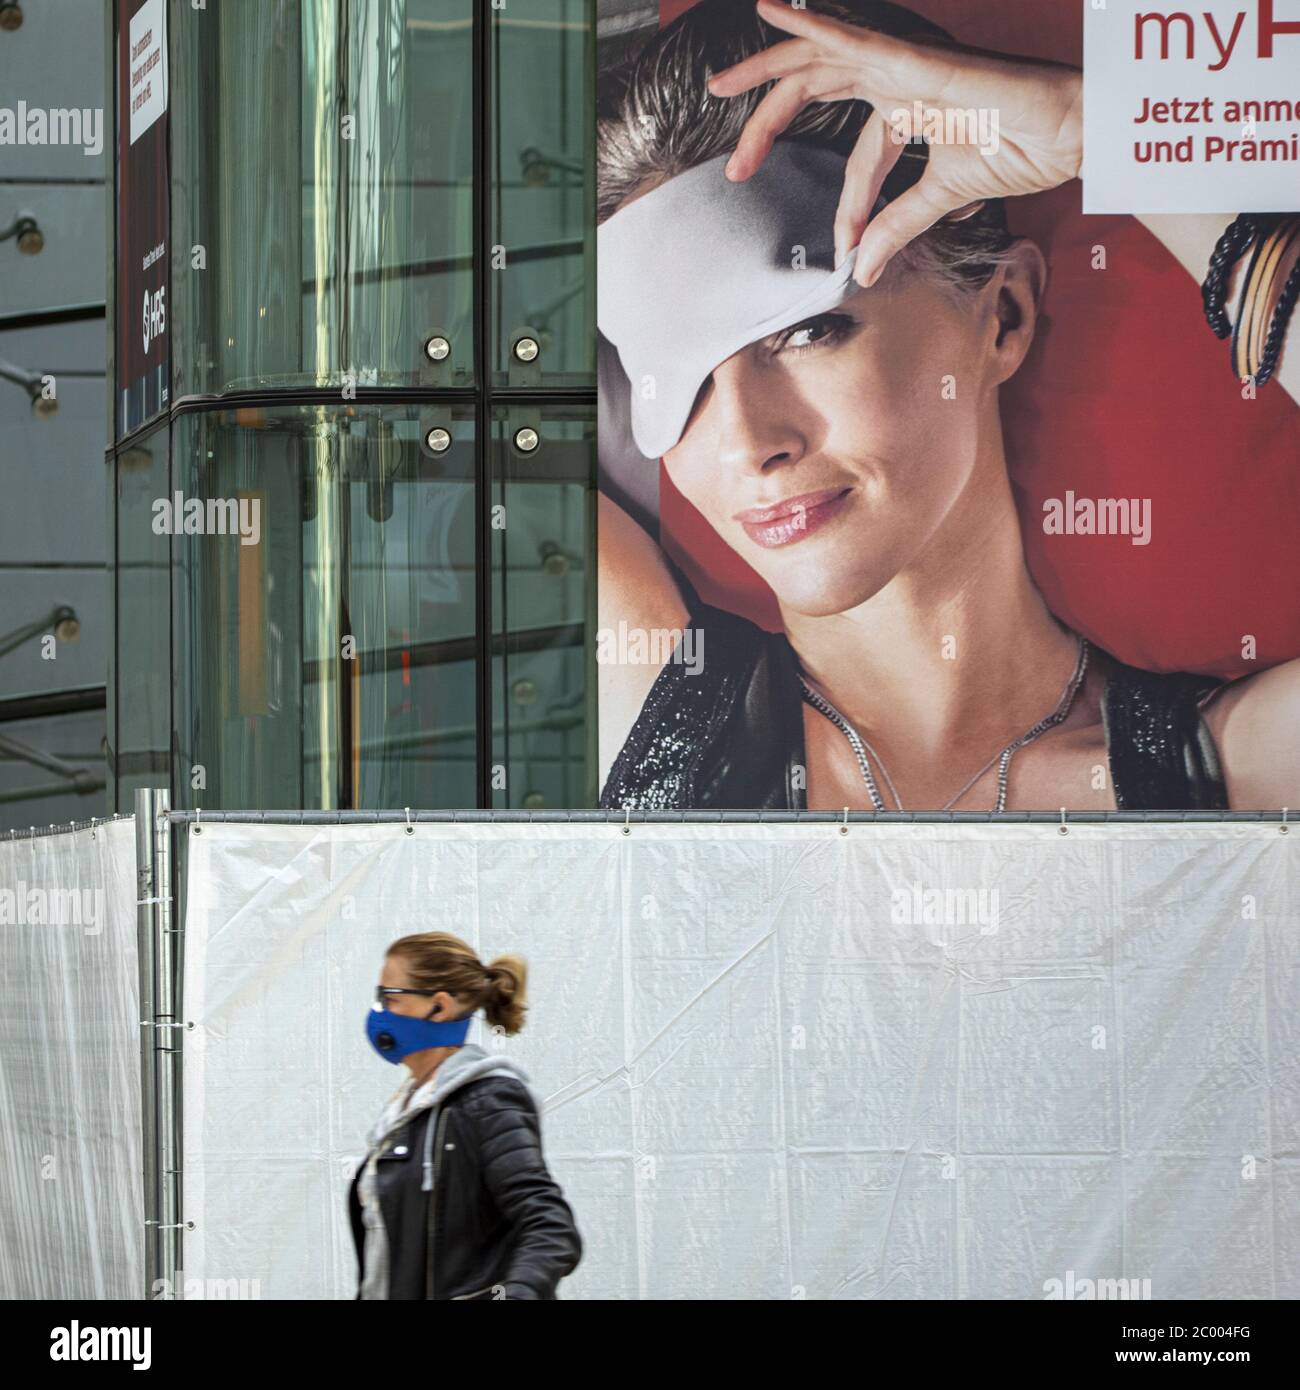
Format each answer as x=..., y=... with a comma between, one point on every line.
x=322, y=192
x=543, y=203
x=543, y=592
x=329, y=663
x=138, y=752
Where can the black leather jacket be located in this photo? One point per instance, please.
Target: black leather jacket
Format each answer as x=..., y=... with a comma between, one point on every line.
x=495, y=1225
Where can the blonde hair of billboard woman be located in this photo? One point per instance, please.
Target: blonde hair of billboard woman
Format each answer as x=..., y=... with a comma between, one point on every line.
x=922, y=647
x=454, y=1199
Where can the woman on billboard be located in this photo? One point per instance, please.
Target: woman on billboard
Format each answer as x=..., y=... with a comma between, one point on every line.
x=814, y=317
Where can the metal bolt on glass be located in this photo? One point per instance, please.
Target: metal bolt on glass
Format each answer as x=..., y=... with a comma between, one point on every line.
x=31, y=240
x=67, y=626
x=554, y=561
x=526, y=349
x=437, y=348
x=438, y=440
x=526, y=440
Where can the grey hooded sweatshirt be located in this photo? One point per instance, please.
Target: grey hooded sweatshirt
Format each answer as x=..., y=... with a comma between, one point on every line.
x=466, y=1064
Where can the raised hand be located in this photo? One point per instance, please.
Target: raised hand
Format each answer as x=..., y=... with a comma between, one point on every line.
x=1038, y=107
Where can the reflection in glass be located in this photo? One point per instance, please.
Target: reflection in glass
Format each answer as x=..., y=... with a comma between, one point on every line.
x=543, y=616
x=329, y=665
x=322, y=193
x=543, y=211
x=139, y=732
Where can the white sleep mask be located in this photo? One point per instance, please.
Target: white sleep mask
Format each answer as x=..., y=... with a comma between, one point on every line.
x=701, y=266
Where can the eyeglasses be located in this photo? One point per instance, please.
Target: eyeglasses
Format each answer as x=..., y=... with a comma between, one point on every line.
x=383, y=993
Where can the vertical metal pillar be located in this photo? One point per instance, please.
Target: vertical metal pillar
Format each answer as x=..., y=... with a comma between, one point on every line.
x=146, y=940
x=160, y=1043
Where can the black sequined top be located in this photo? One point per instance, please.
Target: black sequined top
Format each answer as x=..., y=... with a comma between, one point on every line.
x=730, y=736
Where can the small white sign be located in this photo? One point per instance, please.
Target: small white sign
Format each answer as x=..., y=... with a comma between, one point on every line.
x=1191, y=109
x=147, y=70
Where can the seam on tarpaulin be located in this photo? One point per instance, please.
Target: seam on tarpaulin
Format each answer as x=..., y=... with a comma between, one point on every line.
x=1265, y=980
x=1121, y=1085
x=633, y=1099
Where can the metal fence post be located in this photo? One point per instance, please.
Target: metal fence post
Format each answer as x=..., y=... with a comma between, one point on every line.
x=145, y=810
x=160, y=1044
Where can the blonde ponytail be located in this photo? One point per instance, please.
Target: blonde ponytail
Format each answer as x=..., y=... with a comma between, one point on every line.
x=504, y=1003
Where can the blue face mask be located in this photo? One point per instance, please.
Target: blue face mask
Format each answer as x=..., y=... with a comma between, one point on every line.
x=395, y=1036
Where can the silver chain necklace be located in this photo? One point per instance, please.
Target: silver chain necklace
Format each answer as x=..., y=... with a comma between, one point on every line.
x=860, y=746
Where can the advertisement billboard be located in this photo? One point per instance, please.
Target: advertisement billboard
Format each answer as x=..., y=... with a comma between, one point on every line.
x=925, y=486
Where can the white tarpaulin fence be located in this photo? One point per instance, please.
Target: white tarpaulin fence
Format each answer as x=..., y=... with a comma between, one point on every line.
x=71, y=1198
x=781, y=1061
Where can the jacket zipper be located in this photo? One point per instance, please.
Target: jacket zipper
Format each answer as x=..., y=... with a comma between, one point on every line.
x=433, y=1196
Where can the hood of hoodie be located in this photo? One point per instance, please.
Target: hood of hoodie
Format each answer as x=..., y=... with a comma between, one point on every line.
x=468, y=1063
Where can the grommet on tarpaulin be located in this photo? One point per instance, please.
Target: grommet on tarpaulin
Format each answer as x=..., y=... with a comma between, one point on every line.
x=1282, y=829
x=198, y=817
x=410, y=829
x=1065, y=829
x=844, y=824
x=627, y=820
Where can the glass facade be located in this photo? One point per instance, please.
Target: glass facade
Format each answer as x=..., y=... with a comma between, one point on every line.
x=354, y=551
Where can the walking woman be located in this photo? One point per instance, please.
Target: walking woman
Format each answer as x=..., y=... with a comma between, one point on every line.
x=454, y=1199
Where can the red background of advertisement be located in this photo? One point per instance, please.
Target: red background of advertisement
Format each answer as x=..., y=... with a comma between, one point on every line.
x=1126, y=393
